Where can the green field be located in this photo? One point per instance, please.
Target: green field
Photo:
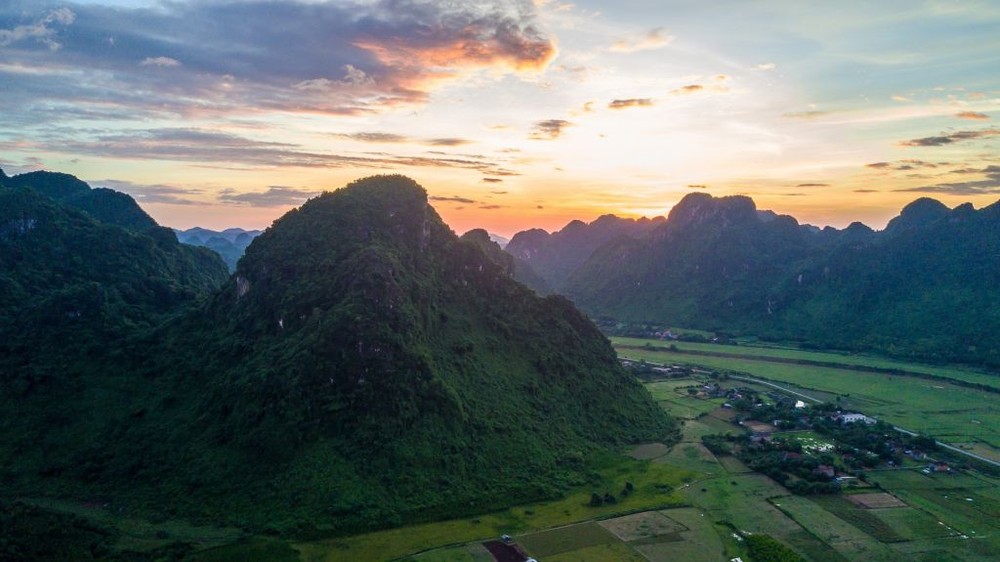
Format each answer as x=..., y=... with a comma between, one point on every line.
x=652, y=489
x=953, y=414
x=946, y=517
x=965, y=374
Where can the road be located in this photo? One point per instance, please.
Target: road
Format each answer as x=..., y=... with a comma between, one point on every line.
x=787, y=390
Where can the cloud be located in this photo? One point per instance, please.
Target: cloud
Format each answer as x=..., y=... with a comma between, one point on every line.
x=951, y=138
x=650, y=40
x=631, y=102
x=989, y=185
x=374, y=137
x=697, y=186
x=39, y=30
x=765, y=66
x=901, y=99
x=252, y=56
x=453, y=199
x=865, y=191
x=813, y=114
x=393, y=138
x=448, y=142
x=813, y=185
x=159, y=61
x=878, y=165
x=974, y=115
x=492, y=180
x=152, y=193
x=550, y=129
x=687, y=90
x=211, y=147
x=491, y=207
x=274, y=196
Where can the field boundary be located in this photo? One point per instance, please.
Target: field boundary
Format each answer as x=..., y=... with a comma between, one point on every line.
x=815, y=363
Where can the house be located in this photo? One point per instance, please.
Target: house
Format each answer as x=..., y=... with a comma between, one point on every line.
x=854, y=418
x=939, y=467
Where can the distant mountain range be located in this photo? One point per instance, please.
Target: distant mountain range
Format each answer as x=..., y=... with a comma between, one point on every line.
x=924, y=287
x=363, y=367
x=230, y=243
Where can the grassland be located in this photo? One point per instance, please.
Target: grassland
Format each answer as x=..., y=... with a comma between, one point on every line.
x=653, y=484
x=966, y=374
x=953, y=414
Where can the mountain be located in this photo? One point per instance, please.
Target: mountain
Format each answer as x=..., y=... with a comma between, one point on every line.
x=230, y=244
x=921, y=288
x=79, y=266
x=553, y=257
x=104, y=205
x=362, y=368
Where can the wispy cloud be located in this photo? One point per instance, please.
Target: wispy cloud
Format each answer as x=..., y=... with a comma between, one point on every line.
x=650, y=40
x=813, y=114
x=340, y=58
x=393, y=138
x=453, y=199
x=550, y=129
x=813, y=185
x=159, y=61
x=152, y=193
x=950, y=138
x=973, y=115
x=631, y=102
x=41, y=30
x=765, y=66
x=201, y=146
x=687, y=90
x=274, y=196
x=989, y=185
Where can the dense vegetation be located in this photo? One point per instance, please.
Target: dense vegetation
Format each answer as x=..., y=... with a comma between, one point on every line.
x=544, y=261
x=919, y=289
x=363, y=368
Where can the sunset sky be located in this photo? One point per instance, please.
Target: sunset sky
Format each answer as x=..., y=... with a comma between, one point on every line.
x=511, y=114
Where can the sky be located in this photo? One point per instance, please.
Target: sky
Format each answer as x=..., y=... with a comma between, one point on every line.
x=512, y=114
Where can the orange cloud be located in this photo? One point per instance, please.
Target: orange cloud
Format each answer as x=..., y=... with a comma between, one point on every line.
x=632, y=102
x=974, y=115
x=652, y=39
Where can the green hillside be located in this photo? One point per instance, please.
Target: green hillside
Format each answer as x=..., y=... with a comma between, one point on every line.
x=363, y=368
x=922, y=288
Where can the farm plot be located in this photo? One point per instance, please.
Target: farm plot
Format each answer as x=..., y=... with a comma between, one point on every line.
x=952, y=413
x=565, y=539
x=860, y=516
x=642, y=526
x=648, y=451
x=700, y=542
x=875, y=501
x=691, y=456
x=845, y=538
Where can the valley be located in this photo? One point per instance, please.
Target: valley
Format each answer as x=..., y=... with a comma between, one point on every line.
x=693, y=504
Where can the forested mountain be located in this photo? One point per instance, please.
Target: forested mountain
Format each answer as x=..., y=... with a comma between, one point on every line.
x=553, y=257
x=230, y=243
x=363, y=367
x=923, y=287
x=104, y=205
x=73, y=280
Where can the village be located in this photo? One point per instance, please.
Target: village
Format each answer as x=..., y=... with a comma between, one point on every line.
x=808, y=448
